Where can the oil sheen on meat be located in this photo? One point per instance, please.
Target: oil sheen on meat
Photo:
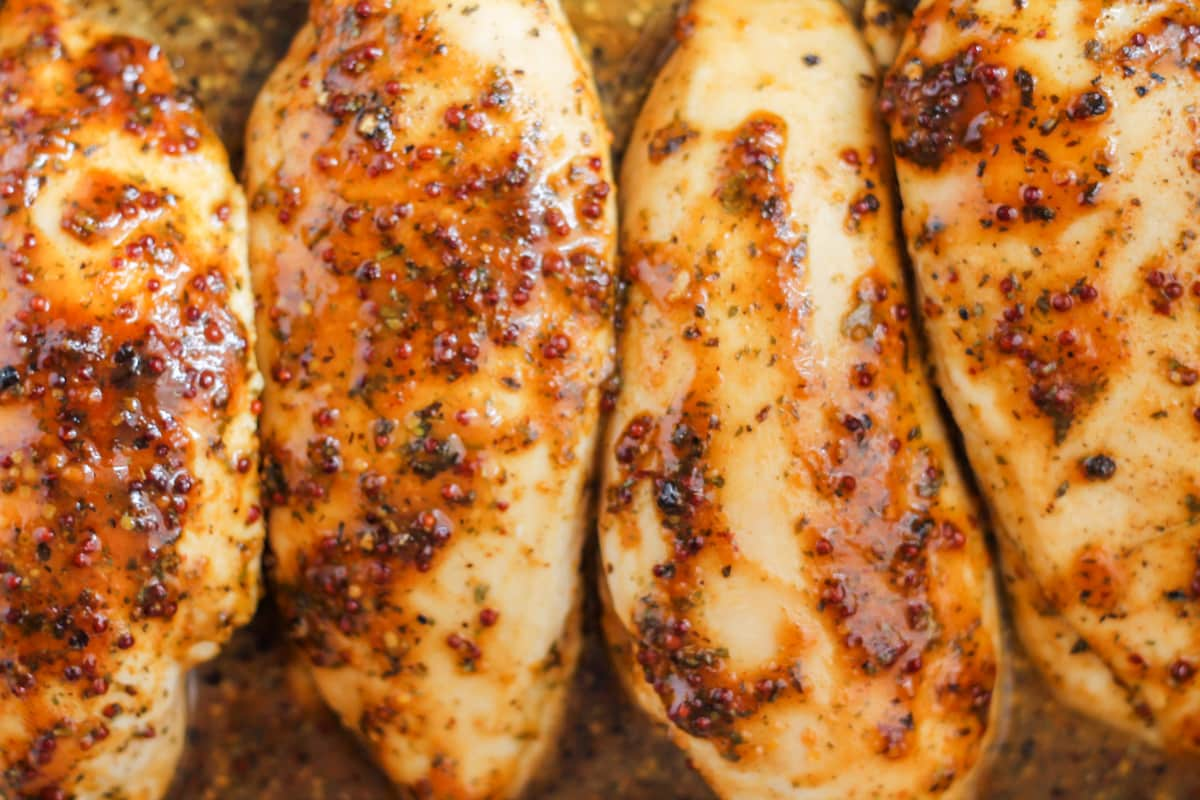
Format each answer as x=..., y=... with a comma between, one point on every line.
x=1047, y=156
x=797, y=577
x=130, y=534
x=433, y=234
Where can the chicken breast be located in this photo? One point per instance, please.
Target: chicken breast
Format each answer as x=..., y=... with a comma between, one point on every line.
x=884, y=23
x=433, y=237
x=129, y=531
x=797, y=578
x=1047, y=158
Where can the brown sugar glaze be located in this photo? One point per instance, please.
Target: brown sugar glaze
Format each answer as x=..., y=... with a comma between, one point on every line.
x=257, y=730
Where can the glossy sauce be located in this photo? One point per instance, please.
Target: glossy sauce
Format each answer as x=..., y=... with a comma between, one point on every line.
x=1057, y=277
x=878, y=578
x=126, y=384
x=258, y=732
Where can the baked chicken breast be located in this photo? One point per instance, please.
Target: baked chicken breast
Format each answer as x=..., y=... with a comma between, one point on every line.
x=1047, y=155
x=433, y=234
x=884, y=23
x=797, y=580
x=129, y=531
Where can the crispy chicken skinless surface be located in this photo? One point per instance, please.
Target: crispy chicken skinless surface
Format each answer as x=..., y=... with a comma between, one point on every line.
x=129, y=531
x=797, y=579
x=433, y=239
x=1049, y=164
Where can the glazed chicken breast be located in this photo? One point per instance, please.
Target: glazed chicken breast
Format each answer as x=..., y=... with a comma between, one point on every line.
x=884, y=23
x=797, y=580
x=129, y=531
x=1049, y=168
x=433, y=234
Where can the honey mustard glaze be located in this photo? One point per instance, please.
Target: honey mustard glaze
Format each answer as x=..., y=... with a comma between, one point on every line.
x=256, y=729
x=128, y=460
x=433, y=236
x=1048, y=164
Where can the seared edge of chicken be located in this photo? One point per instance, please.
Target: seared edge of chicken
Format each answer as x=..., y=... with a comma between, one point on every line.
x=1048, y=163
x=797, y=580
x=129, y=531
x=433, y=239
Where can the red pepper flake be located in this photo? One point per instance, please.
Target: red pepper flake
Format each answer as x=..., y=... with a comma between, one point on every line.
x=488, y=617
x=558, y=346
x=868, y=204
x=464, y=647
x=864, y=375
x=953, y=535
x=1088, y=105
x=1181, y=375
x=1061, y=302
x=557, y=222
